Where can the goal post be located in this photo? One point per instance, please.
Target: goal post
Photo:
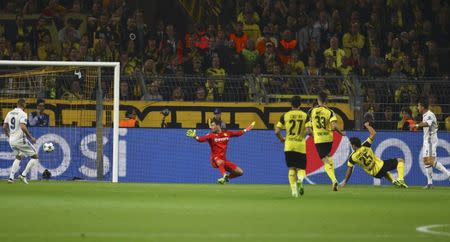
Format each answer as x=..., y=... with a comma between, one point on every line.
x=116, y=96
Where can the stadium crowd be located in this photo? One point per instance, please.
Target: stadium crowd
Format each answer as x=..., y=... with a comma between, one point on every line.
x=326, y=40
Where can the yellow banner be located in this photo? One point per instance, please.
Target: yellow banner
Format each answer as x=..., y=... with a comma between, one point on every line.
x=181, y=115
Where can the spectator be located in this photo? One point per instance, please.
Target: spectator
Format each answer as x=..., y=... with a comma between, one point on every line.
x=370, y=103
x=129, y=65
x=200, y=94
x=250, y=28
x=217, y=117
x=421, y=70
x=262, y=41
x=130, y=120
x=335, y=52
x=216, y=71
x=177, y=94
x=306, y=34
x=250, y=55
x=125, y=92
x=353, y=39
x=296, y=66
x=322, y=26
x=248, y=12
x=388, y=123
x=329, y=68
x=396, y=54
x=312, y=69
x=239, y=37
x=152, y=93
x=407, y=122
x=287, y=46
x=74, y=92
x=39, y=118
x=377, y=64
x=336, y=26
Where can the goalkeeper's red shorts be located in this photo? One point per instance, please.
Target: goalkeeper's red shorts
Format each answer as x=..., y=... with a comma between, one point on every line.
x=229, y=166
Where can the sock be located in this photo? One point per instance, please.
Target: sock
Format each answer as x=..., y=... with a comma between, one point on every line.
x=429, y=174
x=15, y=167
x=30, y=165
x=441, y=168
x=301, y=174
x=389, y=177
x=293, y=180
x=401, y=170
x=329, y=169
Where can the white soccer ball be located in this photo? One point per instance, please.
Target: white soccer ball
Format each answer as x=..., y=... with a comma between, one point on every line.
x=49, y=147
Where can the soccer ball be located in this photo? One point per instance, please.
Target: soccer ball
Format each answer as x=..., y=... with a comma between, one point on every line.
x=49, y=147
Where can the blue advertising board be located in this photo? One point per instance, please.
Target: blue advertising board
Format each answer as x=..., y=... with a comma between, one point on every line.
x=167, y=155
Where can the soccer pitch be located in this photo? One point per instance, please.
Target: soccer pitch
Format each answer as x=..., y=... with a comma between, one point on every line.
x=130, y=212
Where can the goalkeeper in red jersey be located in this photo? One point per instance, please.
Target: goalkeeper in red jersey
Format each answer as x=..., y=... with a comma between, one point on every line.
x=218, y=140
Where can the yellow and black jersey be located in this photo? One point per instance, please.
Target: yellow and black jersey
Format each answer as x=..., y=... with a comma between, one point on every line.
x=365, y=157
x=294, y=122
x=319, y=119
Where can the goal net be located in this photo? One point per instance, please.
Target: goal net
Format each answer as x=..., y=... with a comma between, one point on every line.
x=70, y=104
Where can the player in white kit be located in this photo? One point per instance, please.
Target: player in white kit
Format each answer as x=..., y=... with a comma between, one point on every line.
x=15, y=127
x=430, y=141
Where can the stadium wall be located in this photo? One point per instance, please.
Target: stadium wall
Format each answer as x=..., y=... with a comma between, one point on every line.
x=167, y=155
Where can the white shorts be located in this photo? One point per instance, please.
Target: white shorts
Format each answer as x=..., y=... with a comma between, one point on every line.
x=429, y=148
x=23, y=148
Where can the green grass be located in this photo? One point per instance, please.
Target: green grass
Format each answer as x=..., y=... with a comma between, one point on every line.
x=85, y=211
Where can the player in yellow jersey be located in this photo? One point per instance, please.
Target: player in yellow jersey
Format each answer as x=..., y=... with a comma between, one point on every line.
x=363, y=155
x=294, y=122
x=323, y=122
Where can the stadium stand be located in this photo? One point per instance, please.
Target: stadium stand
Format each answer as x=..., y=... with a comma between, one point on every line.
x=385, y=52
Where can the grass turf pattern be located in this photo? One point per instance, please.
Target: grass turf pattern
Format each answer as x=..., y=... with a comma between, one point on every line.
x=132, y=212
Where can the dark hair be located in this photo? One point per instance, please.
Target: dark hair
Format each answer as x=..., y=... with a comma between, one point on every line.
x=296, y=101
x=323, y=96
x=129, y=112
x=39, y=101
x=355, y=141
x=407, y=110
x=424, y=102
x=21, y=102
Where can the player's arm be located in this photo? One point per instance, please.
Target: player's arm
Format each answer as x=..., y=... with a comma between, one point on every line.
x=24, y=128
x=421, y=125
x=6, y=129
x=239, y=133
x=193, y=134
x=371, y=130
x=348, y=174
x=278, y=128
x=334, y=125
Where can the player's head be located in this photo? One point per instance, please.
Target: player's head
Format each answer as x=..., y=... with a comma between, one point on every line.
x=356, y=143
x=296, y=101
x=406, y=112
x=322, y=98
x=40, y=105
x=21, y=103
x=422, y=105
x=217, y=113
x=130, y=114
x=215, y=126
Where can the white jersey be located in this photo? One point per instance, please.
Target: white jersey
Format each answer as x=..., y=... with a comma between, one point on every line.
x=14, y=118
x=430, y=132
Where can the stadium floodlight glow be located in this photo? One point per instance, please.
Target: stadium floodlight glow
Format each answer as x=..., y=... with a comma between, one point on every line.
x=116, y=96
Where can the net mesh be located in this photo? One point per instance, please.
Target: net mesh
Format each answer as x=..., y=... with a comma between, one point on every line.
x=74, y=102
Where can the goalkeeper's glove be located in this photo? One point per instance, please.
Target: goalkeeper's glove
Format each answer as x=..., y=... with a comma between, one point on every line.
x=191, y=133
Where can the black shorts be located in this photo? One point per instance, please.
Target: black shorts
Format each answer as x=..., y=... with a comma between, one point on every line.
x=324, y=149
x=295, y=159
x=388, y=165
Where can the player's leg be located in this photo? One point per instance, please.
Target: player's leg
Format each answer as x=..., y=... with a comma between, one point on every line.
x=301, y=173
x=438, y=165
x=15, y=167
x=324, y=150
x=292, y=171
x=29, y=150
x=428, y=162
x=233, y=169
x=220, y=163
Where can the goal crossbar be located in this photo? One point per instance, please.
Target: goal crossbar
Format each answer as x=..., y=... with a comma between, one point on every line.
x=116, y=85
